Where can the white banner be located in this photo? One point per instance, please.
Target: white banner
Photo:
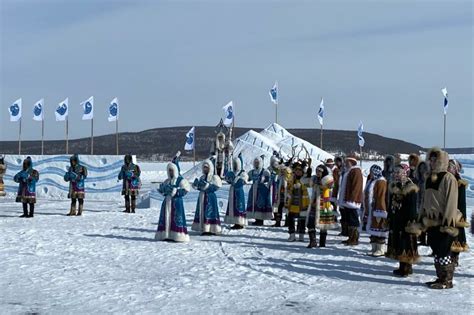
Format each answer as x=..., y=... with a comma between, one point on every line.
x=88, y=108
x=114, y=110
x=38, y=110
x=15, y=110
x=62, y=110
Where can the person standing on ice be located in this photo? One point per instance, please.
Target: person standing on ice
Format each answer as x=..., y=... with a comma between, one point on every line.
x=172, y=222
x=402, y=245
x=259, y=205
x=336, y=174
x=3, y=170
x=206, y=218
x=297, y=202
x=274, y=169
x=375, y=208
x=422, y=173
x=321, y=213
x=284, y=175
x=130, y=175
x=27, y=178
x=460, y=243
x=236, y=209
x=350, y=198
x=76, y=175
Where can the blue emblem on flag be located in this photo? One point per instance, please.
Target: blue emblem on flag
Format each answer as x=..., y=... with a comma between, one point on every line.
x=87, y=108
x=273, y=93
x=190, y=138
x=61, y=110
x=230, y=113
x=38, y=109
x=321, y=112
x=15, y=110
x=113, y=109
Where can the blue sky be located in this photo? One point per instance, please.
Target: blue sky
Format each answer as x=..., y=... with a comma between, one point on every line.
x=174, y=63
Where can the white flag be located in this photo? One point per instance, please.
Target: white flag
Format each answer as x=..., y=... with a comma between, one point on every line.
x=189, y=140
x=321, y=112
x=15, y=110
x=38, y=110
x=88, y=108
x=114, y=110
x=445, y=94
x=359, y=134
x=274, y=93
x=229, y=114
x=62, y=110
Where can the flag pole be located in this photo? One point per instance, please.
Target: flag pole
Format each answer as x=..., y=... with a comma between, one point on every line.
x=116, y=136
x=360, y=156
x=321, y=141
x=19, y=138
x=42, y=136
x=444, y=133
x=92, y=136
x=276, y=112
x=194, y=148
x=67, y=134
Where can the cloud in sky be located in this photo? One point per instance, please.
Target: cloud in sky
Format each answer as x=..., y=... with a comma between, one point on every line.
x=178, y=62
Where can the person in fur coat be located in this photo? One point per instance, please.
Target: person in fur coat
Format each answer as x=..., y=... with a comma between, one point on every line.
x=402, y=245
x=206, y=217
x=336, y=174
x=76, y=176
x=259, y=206
x=297, y=202
x=460, y=243
x=321, y=212
x=440, y=217
x=375, y=208
x=172, y=221
x=350, y=198
x=284, y=175
x=130, y=177
x=422, y=172
x=27, y=179
x=236, y=209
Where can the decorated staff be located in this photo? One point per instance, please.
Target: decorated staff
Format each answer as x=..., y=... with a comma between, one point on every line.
x=130, y=176
x=76, y=175
x=27, y=179
x=172, y=222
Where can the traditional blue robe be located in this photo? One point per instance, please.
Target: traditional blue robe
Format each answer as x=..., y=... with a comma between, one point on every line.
x=236, y=208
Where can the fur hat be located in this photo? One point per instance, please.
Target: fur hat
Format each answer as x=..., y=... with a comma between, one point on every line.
x=329, y=162
x=352, y=158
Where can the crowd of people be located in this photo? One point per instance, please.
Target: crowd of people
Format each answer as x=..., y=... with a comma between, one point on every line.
x=402, y=206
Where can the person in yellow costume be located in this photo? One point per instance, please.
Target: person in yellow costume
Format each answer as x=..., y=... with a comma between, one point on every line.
x=297, y=202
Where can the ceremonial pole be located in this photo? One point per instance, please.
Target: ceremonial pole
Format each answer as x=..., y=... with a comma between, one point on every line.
x=360, y=147
x=444, y=133
x=445, y=110
x=321, y=140
x=194, y=148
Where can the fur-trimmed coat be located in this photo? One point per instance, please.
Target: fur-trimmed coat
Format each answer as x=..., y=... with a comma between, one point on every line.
x=375, y=207
x=460, y=243
x=440, y=202
x=402, y=246
x=351, y=194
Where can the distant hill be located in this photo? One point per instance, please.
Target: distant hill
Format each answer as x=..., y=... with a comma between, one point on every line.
x=460, y=150
x=162, y=143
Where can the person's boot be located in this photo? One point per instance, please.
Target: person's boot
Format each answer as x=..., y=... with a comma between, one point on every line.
x=400, y=272
x=134, y=205
x=127, y=206
x=301, y=237
x=343, y=229
x=455, y=259
x=322, y=239
x=438, y=275
x=25, y=214
x=292, y=237
x=79, y=212
x=312, y=239
x=372, y=251
x=72, y=211
x=236, y=227
x=32, y=210
x=408, y=269
x=353, y=237
x=277, y=223
x=258, y=222
x=379, y=252
x=446, y=277
x=287, y=222
x=422, y=239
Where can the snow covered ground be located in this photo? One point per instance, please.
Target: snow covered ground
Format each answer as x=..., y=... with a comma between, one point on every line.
x=108, y=262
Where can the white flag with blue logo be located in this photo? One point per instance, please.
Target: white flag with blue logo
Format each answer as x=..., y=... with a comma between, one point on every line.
x=445, y=93
x=38, y=110
x=274, y=93
x=62, y=110
x=88, y=108
x=321, y=112
x=190, y=140
x=15, y=110
x=114, y=110
x=229, y=114
x=360, y=130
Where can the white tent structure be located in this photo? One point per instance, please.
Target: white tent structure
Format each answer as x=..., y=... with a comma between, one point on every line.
x=273, y=138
